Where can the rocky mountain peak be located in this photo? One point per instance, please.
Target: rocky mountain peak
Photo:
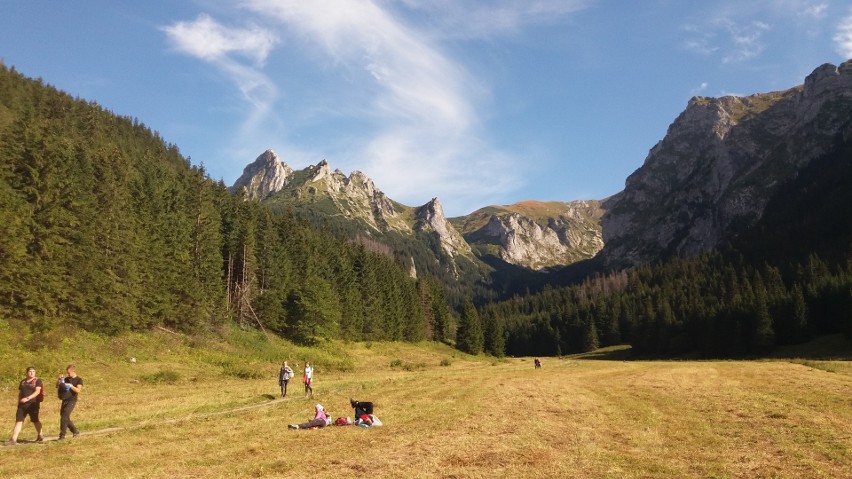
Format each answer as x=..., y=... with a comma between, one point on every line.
x=719, y=164
x=536, y=234
x=266, y=175
x=431, y=219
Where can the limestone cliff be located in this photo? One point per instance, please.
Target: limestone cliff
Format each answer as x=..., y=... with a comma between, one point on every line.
x=431, y=219
x=536, y=234
x=354, y=197
x=264, y=176
x=719, y=164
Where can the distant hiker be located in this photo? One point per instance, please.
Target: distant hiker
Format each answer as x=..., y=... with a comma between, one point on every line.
x=361, y=407
x=537, y=363
x=308, y=378
x=284, y=376
x=30, y=395
x=321, y=419
x=67, y=388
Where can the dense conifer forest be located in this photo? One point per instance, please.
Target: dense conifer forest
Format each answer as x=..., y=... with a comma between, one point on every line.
x=105, y=226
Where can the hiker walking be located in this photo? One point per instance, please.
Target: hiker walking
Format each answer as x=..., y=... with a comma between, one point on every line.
x=284, y=376
x=308, y=379
x=30, y=394
x=67, y=388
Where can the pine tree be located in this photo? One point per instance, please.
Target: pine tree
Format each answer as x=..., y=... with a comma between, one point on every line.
x=494, y=340
x=469, y=337
x=763, y=336
x=314, y=311
x=589, y=341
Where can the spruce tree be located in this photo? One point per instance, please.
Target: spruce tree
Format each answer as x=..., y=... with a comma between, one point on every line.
x=494, y=341
x=469, y=337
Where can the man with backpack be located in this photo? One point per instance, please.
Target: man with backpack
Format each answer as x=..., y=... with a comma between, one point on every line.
x=67, y=388
x=30, y=395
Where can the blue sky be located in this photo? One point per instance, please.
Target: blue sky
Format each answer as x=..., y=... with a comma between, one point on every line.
x=475, y=102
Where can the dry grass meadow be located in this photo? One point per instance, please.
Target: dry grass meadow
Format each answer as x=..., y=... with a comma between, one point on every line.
x=468, y=417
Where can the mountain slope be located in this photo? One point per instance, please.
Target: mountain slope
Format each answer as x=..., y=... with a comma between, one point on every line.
x=535, y=234
x=531, y=235
x=719, y=164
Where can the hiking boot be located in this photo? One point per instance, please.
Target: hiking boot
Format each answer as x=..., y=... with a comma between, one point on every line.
x=293, y=426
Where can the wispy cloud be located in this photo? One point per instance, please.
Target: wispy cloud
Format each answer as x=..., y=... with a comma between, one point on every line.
x=386, y=68
x=746, y=40
x=475, y=19
x=843, y=36
x=426, y=136
x=814, y=10
x=735, y=42
x=208, y=40
x=699, y=89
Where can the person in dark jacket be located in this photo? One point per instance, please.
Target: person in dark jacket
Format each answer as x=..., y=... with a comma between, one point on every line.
x=68, y=388
x=361, y=407
x=284, y=376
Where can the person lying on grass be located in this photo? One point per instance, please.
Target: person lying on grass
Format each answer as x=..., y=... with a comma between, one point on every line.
x=361, y=407
x=321, y=419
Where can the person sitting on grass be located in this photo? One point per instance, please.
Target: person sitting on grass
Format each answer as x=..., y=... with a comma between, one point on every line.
x=321, y=419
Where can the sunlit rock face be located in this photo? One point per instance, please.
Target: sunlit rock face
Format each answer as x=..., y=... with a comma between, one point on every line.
x=719, y=164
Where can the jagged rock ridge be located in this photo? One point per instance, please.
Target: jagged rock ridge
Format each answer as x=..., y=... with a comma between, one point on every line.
x=431, y=219
x=535, y=234
x=264, y=176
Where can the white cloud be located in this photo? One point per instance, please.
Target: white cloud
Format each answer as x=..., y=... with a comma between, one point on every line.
x=216, y=44
x=843, y=36
x=206, y=39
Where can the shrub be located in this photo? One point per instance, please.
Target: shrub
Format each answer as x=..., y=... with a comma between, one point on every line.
x=166, y=376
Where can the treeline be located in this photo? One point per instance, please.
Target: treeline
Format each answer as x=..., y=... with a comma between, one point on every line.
x=105, y=226
x=714, y=305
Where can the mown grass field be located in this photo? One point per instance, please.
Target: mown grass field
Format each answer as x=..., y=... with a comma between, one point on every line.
x=468, y=417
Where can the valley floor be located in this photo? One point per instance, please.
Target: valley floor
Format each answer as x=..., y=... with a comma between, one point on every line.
x=575, y=417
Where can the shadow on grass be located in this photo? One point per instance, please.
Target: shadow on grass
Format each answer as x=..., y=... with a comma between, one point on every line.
x=622, y=352
x=831, y=347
